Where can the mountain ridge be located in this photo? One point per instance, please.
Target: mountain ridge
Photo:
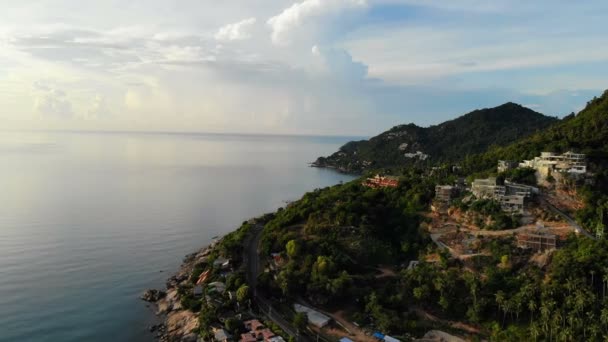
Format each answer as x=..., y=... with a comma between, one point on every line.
x=408, y=144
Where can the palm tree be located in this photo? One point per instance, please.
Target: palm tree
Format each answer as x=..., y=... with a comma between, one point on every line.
x=604, y=318
x=604, y=282
x=534, y=331
x=500, y=300
x=532, y=306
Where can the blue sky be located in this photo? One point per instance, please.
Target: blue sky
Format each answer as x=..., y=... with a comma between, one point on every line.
x=304, y=67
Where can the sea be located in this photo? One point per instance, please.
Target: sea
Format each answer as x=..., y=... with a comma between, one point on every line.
x=89, y=220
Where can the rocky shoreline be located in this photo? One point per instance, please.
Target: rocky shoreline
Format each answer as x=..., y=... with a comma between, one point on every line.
x=178, y=324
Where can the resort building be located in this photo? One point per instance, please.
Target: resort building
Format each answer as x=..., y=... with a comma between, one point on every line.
x=520, y=189
x=538, y=241
x=513, y=204
x=569, y=162
x=511, y=196
x=487, y=188
x=506, y=165
x=382, y=182
x=444, y=193
x=443, y=197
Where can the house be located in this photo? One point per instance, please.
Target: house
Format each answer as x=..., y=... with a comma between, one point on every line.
x=547, y=162
x=266, y=334
x=506, y=165
x=487, y=188
x=197, y=291
x=513, y=204
x=222, y=263
x=221, y=335
x=217, y=286
x=520, y=189
x=382, y=182
x=315, y=318
x=511, y=196
x=248, y=337
x=444, y=193
x=276, y=339
x=253, y=325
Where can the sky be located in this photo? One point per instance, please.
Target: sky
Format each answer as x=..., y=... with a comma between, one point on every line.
x=340, y=67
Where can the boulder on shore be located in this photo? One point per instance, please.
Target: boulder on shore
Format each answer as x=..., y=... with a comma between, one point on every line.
x=152, y=295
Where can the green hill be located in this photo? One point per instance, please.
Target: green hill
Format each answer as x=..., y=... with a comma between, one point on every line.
x=450, y=141
x=350, y=247
x=586, y=132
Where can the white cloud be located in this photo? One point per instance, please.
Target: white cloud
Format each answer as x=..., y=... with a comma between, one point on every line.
x=294, y=17
x=236, y=31
x=53, y=103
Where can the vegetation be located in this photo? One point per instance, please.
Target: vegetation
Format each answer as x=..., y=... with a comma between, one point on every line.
x=335, y=239
x=450, y=141
x=488, y=214
x=332, y=236
x=586, y=132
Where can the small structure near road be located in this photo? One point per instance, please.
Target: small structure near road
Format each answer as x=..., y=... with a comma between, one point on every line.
x=315, y=318
x=381, y=337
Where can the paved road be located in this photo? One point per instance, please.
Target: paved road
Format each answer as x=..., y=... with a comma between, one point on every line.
x=571, y=221
x=252, y=260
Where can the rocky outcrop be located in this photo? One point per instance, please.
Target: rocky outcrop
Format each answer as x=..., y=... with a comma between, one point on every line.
x=178, y=323
x=152, y=295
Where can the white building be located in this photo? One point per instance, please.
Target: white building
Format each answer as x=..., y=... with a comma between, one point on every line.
x=314, y=317
x=569, y=162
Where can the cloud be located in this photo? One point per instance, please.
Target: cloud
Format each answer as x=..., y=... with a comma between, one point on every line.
x=293, y=18
x=53, y=103
x=236, y=31
x=99, y=108
x=339, y=64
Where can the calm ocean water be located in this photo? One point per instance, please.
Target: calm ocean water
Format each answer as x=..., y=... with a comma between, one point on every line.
x=89, y=220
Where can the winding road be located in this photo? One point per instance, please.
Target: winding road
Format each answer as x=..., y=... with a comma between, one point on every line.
x=252, y=260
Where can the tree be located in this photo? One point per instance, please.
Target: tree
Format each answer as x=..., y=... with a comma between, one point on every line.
x=293, y=248
x=242, y=294
x=300, y=321
x=233, y=325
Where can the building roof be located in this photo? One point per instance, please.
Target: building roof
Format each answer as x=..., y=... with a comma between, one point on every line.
x=218, y=286
x=276, y=339
x=221, y=335
x=253, y=324
x=390, y=339
x=248, y=337
x=346, y=339
x=314, y=317
x=267, y=333
x=203, y=277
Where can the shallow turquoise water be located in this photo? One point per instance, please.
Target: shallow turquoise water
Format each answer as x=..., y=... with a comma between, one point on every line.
x=89, y=220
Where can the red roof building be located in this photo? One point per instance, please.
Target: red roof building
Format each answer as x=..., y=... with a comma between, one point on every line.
x=382, y=182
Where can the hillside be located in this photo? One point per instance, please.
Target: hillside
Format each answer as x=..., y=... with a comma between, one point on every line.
x=586, y=132
x=352, y=242
x=452, y=140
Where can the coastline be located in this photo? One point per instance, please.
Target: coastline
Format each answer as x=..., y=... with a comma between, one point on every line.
x=177, y=324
